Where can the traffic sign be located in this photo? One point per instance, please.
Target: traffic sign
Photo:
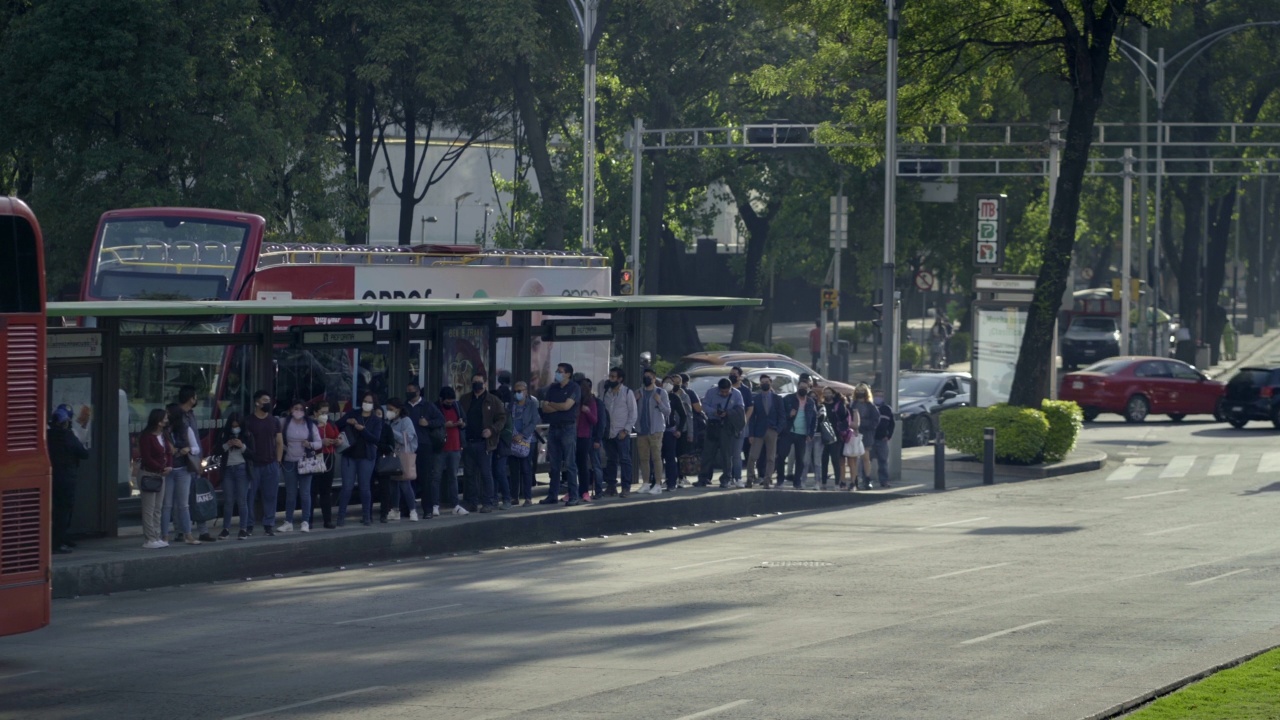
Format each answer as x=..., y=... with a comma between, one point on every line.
x=988, y=251
x=830, y=299
x=924, y=280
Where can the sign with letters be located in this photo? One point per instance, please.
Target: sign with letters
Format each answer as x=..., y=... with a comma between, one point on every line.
x=988, y=246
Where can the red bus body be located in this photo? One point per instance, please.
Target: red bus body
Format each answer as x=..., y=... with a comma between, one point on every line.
x=25, y=482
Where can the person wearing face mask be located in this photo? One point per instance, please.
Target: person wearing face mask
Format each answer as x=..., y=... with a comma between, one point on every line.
x=744, y=443
x=300, y=435
x=833, y=452
x=620, y=406
x=683, y=432
x=800, y=414
x=266, y=449
x=560, y=409
x=485, y=416
x=429, y=424
x=589, y=417
x=523, y=411
x=677, y=421
x=868, y=421
x=400, y=498
x=725, y=419
x=234, y=443
x=653, y=407
x=363, y=427
x=322, y=483
x=767, y=423
x=445, y=464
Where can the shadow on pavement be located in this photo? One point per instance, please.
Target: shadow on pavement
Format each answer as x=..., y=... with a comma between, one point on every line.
x=1025, y=530
x=1273, y=487
x=1130, y=443
x=1230, y=432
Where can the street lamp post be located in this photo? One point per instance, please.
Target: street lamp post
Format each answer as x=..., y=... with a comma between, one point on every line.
x=588, y=13
x=457, y=203
x=426, y=219
x=889, y=327
x=484, y=234
x=1160, y=90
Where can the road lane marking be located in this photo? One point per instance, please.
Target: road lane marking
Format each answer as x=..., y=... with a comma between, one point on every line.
x=1178, y=467
x=326, y=698
x=715, y=710
x=21, y=674
x=1129, y=470
x=1269, y=462
x=1223, y=465
x=1166, y=492
x=962, y=572
x=708, y=622
x=709, y=562
x=1001, y=633
x=1173, y=530
x=957, y=522
x=1218, y=577
x=406, y=612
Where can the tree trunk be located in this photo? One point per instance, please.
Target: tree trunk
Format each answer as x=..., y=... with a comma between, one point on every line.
x=364, y=164
x=1215, y=269
x=1189, y=267
x=757, y=226
x=554, y=205
x=408, y=186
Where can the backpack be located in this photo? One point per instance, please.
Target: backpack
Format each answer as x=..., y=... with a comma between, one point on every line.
x=886, y=424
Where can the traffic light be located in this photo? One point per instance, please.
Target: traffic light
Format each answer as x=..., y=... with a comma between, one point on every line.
x=879, y=308
x=625, y=283
x=830, y=299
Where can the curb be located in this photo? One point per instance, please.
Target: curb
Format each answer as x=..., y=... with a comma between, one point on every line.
x=1081, y=461
x=1132, y=704
x=293, y=552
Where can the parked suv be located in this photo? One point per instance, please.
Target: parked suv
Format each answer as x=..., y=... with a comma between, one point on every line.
x=1088, y=339
x=1253, y=394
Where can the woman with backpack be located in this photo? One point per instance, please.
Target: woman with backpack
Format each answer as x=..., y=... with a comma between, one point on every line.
x=302, y=443
x=363, y=428
x=235, y=442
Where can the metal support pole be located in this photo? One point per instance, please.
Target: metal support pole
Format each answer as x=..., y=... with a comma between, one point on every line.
x=586, y=12
x=1126, y=259
x=842, y=232
x=398, y=372
x=1068, y=295
x=940, y=462
x=1144, y=228
x=1157, y=347
x=637, y=176
x=1235, y=263
x=890, y=384
x=988, y=456
x=1260, y=312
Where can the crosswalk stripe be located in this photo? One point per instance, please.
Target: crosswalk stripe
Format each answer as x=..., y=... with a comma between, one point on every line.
x=1223, y=465
x=1270, y=462
x=1129, y=470
x=1178, y=467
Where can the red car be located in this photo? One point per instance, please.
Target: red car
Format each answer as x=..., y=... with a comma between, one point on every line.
x=1137, y=386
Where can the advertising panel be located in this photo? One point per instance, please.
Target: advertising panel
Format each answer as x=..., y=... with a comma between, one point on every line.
x=996, y=344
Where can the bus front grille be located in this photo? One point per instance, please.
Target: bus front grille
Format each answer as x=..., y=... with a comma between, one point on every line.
x=20, y=531
x=22, y=401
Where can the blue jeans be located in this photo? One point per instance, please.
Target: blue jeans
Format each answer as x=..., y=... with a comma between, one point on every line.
x=619, y=453
x=177, y=493
x=444, y=468
x=735, y=460
x=562, y=445
x=296, y=488
x=501, y=480
x=235, y=494
x=264, y=485
x=880, y=453
x=354, y=470
x=477, y=468
x=524, y=475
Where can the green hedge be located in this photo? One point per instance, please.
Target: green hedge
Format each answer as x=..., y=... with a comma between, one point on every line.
x=754, y=347
x=783, y=348
x=959, y=346
x=1065, y=422
x=911, y=354
x=1023, y=436
x=714, y=347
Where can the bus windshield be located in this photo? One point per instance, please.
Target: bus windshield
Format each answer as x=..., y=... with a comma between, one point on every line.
x=167, y=259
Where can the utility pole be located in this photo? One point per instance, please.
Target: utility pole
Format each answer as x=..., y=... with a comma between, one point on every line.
x=587, y=13
x=1126, y=260
x=839, y=238
x=1144, y=346
x=891, y=312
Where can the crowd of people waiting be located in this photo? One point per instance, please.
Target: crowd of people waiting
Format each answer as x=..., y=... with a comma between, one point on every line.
x=410, y=452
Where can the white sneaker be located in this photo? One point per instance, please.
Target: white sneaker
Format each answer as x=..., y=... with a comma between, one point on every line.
x=740, y=484
x=657, y=489
x=284, y=527
x=306, y=527
x=459, y=510
x=413, y=515
x=435, y=511
x=163, y=543
x=393, y=515
x=153, y=545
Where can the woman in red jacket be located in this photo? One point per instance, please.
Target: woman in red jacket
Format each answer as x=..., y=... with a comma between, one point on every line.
x=157, y=460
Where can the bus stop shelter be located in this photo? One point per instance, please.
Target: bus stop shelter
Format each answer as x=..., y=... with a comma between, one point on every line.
x=86, y=361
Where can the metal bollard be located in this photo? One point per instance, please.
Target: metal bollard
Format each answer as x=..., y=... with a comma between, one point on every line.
x=988, y=456
x=940, y=462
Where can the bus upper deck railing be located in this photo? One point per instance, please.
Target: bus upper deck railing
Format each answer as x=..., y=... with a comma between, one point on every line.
x=425, y=256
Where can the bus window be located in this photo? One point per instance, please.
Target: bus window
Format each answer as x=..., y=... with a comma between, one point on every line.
x=19, y=255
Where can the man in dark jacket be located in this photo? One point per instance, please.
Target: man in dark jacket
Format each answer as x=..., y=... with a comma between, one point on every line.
x=426, y=418
x=65, y=454
x=485, y=416
x=766, y=424
x=880, y=448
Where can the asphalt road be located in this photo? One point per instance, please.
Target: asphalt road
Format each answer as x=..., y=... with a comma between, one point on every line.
x=1048, y=599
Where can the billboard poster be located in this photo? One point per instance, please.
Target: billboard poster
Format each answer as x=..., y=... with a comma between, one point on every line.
x=995, y=352
x=466, y=354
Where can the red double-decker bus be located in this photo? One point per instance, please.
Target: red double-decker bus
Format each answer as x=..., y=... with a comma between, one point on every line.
x=25, y=587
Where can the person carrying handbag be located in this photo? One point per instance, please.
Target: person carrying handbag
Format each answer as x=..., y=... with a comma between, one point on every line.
x=322, y=482
x=524, y=426
x=155, y=454
x=175, y=505
x=302, y=460
x=400, y=486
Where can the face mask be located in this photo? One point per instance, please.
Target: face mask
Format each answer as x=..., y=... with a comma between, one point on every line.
x=668, y=387
x=323, y=418
x=265, y=403
x=411, y=395
x=477, y=387
x=235, y=431
x=802, y=393
x=519, y=396
x=765, y=386
x=734, y=379
x=648, y=381
x=448, y=403
x=367, y=407
x=391, y=414
x=559, y=377
x=610, y=384
x=298, y=414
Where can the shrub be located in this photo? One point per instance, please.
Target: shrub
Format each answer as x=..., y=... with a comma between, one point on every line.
x=662, y=367
x=851, y=333
x=959, y=347
x=1021, y=433
x=783, y=348
x=1065, y=422
x=749, y=346
x=911, y=354
x=714, y=347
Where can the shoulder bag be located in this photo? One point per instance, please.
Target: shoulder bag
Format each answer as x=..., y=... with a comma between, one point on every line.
x=204, y=505
x=150, y=482
x=408, y=460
